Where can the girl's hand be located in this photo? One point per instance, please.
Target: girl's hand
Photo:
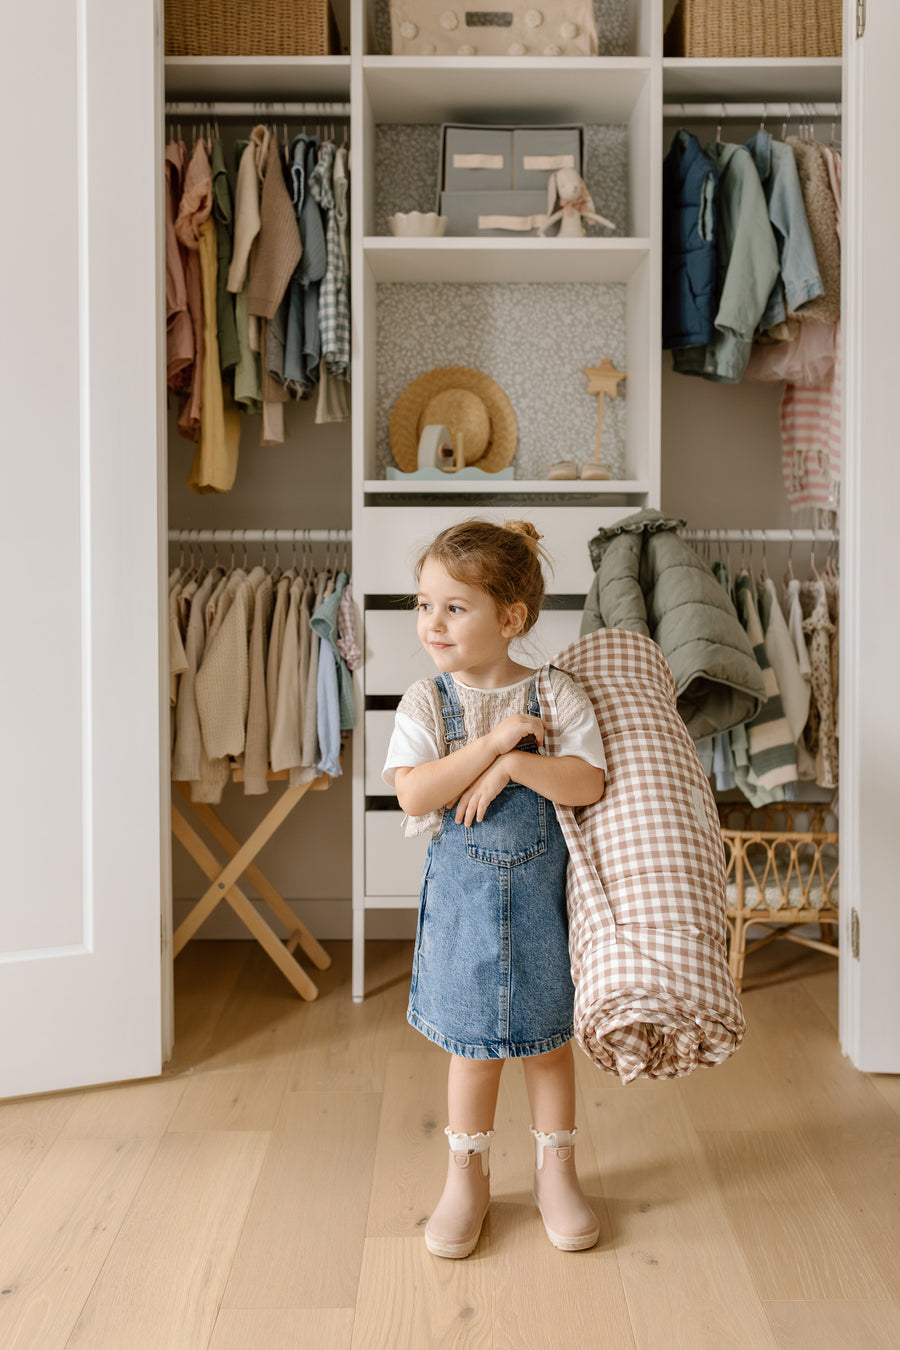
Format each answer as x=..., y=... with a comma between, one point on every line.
x=507, y=734
x=478, y=795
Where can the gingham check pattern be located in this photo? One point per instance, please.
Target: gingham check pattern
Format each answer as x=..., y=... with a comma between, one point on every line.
x=646, y=879
x=334, y=301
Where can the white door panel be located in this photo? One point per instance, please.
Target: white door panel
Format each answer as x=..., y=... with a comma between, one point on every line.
x=80, y=809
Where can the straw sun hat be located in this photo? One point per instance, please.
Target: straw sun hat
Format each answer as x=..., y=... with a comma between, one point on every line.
x=463, y=400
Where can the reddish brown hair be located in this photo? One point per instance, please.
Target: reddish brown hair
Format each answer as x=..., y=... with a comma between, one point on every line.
x=502, y=560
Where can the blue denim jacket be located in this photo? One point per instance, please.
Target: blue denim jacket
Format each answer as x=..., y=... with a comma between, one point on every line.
x=799, y=281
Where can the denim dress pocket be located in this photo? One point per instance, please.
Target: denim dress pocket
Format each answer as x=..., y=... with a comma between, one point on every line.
x=514, y=829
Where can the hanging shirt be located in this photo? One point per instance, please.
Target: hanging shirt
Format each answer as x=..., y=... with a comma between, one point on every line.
x=223, y=215
x=799, y=280
x=193, y=211
x=325, y=623
x=179, y=329
x=747, y=265
x=302, y=341
x=811, y=416
x=334, y=306
x=216, y=458
x=773, y=757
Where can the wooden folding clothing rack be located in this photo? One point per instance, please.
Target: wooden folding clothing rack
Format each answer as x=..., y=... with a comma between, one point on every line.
x=223, y=880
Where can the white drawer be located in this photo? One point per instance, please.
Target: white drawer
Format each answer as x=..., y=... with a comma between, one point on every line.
x=395, y=657
x=379, y=725
x=393, y=863
x=390, y=540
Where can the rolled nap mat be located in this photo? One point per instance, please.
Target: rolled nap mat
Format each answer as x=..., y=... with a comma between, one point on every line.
x=646, y=879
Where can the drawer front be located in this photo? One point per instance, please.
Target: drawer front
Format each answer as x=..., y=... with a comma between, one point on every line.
x=390, y=540
x=379, y=725
x=477, y=158
x=395, y=658
x=540, y=151
x=495, y=213
x=393, y=863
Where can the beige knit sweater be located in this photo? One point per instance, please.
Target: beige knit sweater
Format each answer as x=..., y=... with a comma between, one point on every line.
x=482, y=709
x=821, y=212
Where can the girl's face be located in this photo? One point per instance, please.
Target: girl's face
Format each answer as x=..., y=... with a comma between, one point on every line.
x=460, y=628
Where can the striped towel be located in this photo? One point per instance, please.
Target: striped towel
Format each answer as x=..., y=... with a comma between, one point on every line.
x=646, y=879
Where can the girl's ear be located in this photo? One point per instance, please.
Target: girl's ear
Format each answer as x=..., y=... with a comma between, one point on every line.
x=513, y=620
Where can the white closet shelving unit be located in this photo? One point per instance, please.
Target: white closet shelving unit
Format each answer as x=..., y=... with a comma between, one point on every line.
x=390, y=520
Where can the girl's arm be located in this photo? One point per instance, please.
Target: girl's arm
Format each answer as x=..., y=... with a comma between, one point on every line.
x=427, y=787
x=565, y=779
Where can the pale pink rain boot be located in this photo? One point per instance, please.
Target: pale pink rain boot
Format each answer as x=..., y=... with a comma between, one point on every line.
x=571, y=1224
x=455, y=1226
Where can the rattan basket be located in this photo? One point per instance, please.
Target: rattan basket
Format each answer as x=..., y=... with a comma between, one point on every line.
x=263, y=28
x=755, y=28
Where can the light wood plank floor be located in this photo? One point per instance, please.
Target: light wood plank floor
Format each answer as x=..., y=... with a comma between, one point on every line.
x=270, y=1190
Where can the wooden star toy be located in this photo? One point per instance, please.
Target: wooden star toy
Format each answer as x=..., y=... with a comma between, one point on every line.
x=604, y=379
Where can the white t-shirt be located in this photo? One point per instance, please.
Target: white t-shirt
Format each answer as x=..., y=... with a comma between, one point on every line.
x=412, y=743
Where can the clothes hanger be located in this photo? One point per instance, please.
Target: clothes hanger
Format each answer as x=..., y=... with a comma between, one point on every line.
x=719, y=126
x=764, y=571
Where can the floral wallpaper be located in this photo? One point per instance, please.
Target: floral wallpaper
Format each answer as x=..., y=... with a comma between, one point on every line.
x=533, y=339
x=407, y=159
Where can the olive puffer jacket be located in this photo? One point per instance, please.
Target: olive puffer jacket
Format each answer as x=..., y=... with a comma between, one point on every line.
x=649, y=581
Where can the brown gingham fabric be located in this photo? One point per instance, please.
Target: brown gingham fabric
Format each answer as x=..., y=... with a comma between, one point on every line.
x=646, y=879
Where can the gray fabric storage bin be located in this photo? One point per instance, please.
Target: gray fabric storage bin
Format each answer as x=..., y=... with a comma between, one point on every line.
x=463, y=210
x=552, y=147
x=463, y=146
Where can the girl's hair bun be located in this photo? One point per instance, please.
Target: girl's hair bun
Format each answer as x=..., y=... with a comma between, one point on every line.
x=523, y=527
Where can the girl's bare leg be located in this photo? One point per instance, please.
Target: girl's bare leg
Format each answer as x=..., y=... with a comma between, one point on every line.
x=472, y=1086
x=550, y=1080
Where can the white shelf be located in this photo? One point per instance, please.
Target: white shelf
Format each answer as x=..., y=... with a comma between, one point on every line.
x=752, y=78
x=504, y=486
x=260, y=78
x=520, y=89
x=504, y=260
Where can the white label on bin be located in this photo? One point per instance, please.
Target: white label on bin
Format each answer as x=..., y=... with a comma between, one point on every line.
x=511, y=222
x=478, y=161
x=549, y=162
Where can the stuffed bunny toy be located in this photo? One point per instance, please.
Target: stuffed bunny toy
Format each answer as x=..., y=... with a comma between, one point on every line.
x=569, y=202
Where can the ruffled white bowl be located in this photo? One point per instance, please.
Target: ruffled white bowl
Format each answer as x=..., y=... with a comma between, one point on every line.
x=427, y=223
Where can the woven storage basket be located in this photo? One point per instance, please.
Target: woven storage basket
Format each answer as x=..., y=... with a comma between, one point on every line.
x=755, y=28
x=260, y=28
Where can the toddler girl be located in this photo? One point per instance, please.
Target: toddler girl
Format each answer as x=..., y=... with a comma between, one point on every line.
x=491, y=978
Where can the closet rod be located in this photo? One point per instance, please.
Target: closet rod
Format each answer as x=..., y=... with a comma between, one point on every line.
x=714, y=111
x=338, y=536
x=257, y=109
x=764, y=536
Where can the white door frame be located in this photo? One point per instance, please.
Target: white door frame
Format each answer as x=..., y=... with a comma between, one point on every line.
x=870, y=545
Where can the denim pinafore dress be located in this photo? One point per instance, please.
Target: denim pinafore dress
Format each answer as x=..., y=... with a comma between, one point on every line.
x=491, y=976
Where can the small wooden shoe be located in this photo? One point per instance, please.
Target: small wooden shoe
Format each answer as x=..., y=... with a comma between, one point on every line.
x=563, y=468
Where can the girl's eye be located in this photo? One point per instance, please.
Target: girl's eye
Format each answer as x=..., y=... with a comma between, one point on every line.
x=422, y=606
x=457, y=609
